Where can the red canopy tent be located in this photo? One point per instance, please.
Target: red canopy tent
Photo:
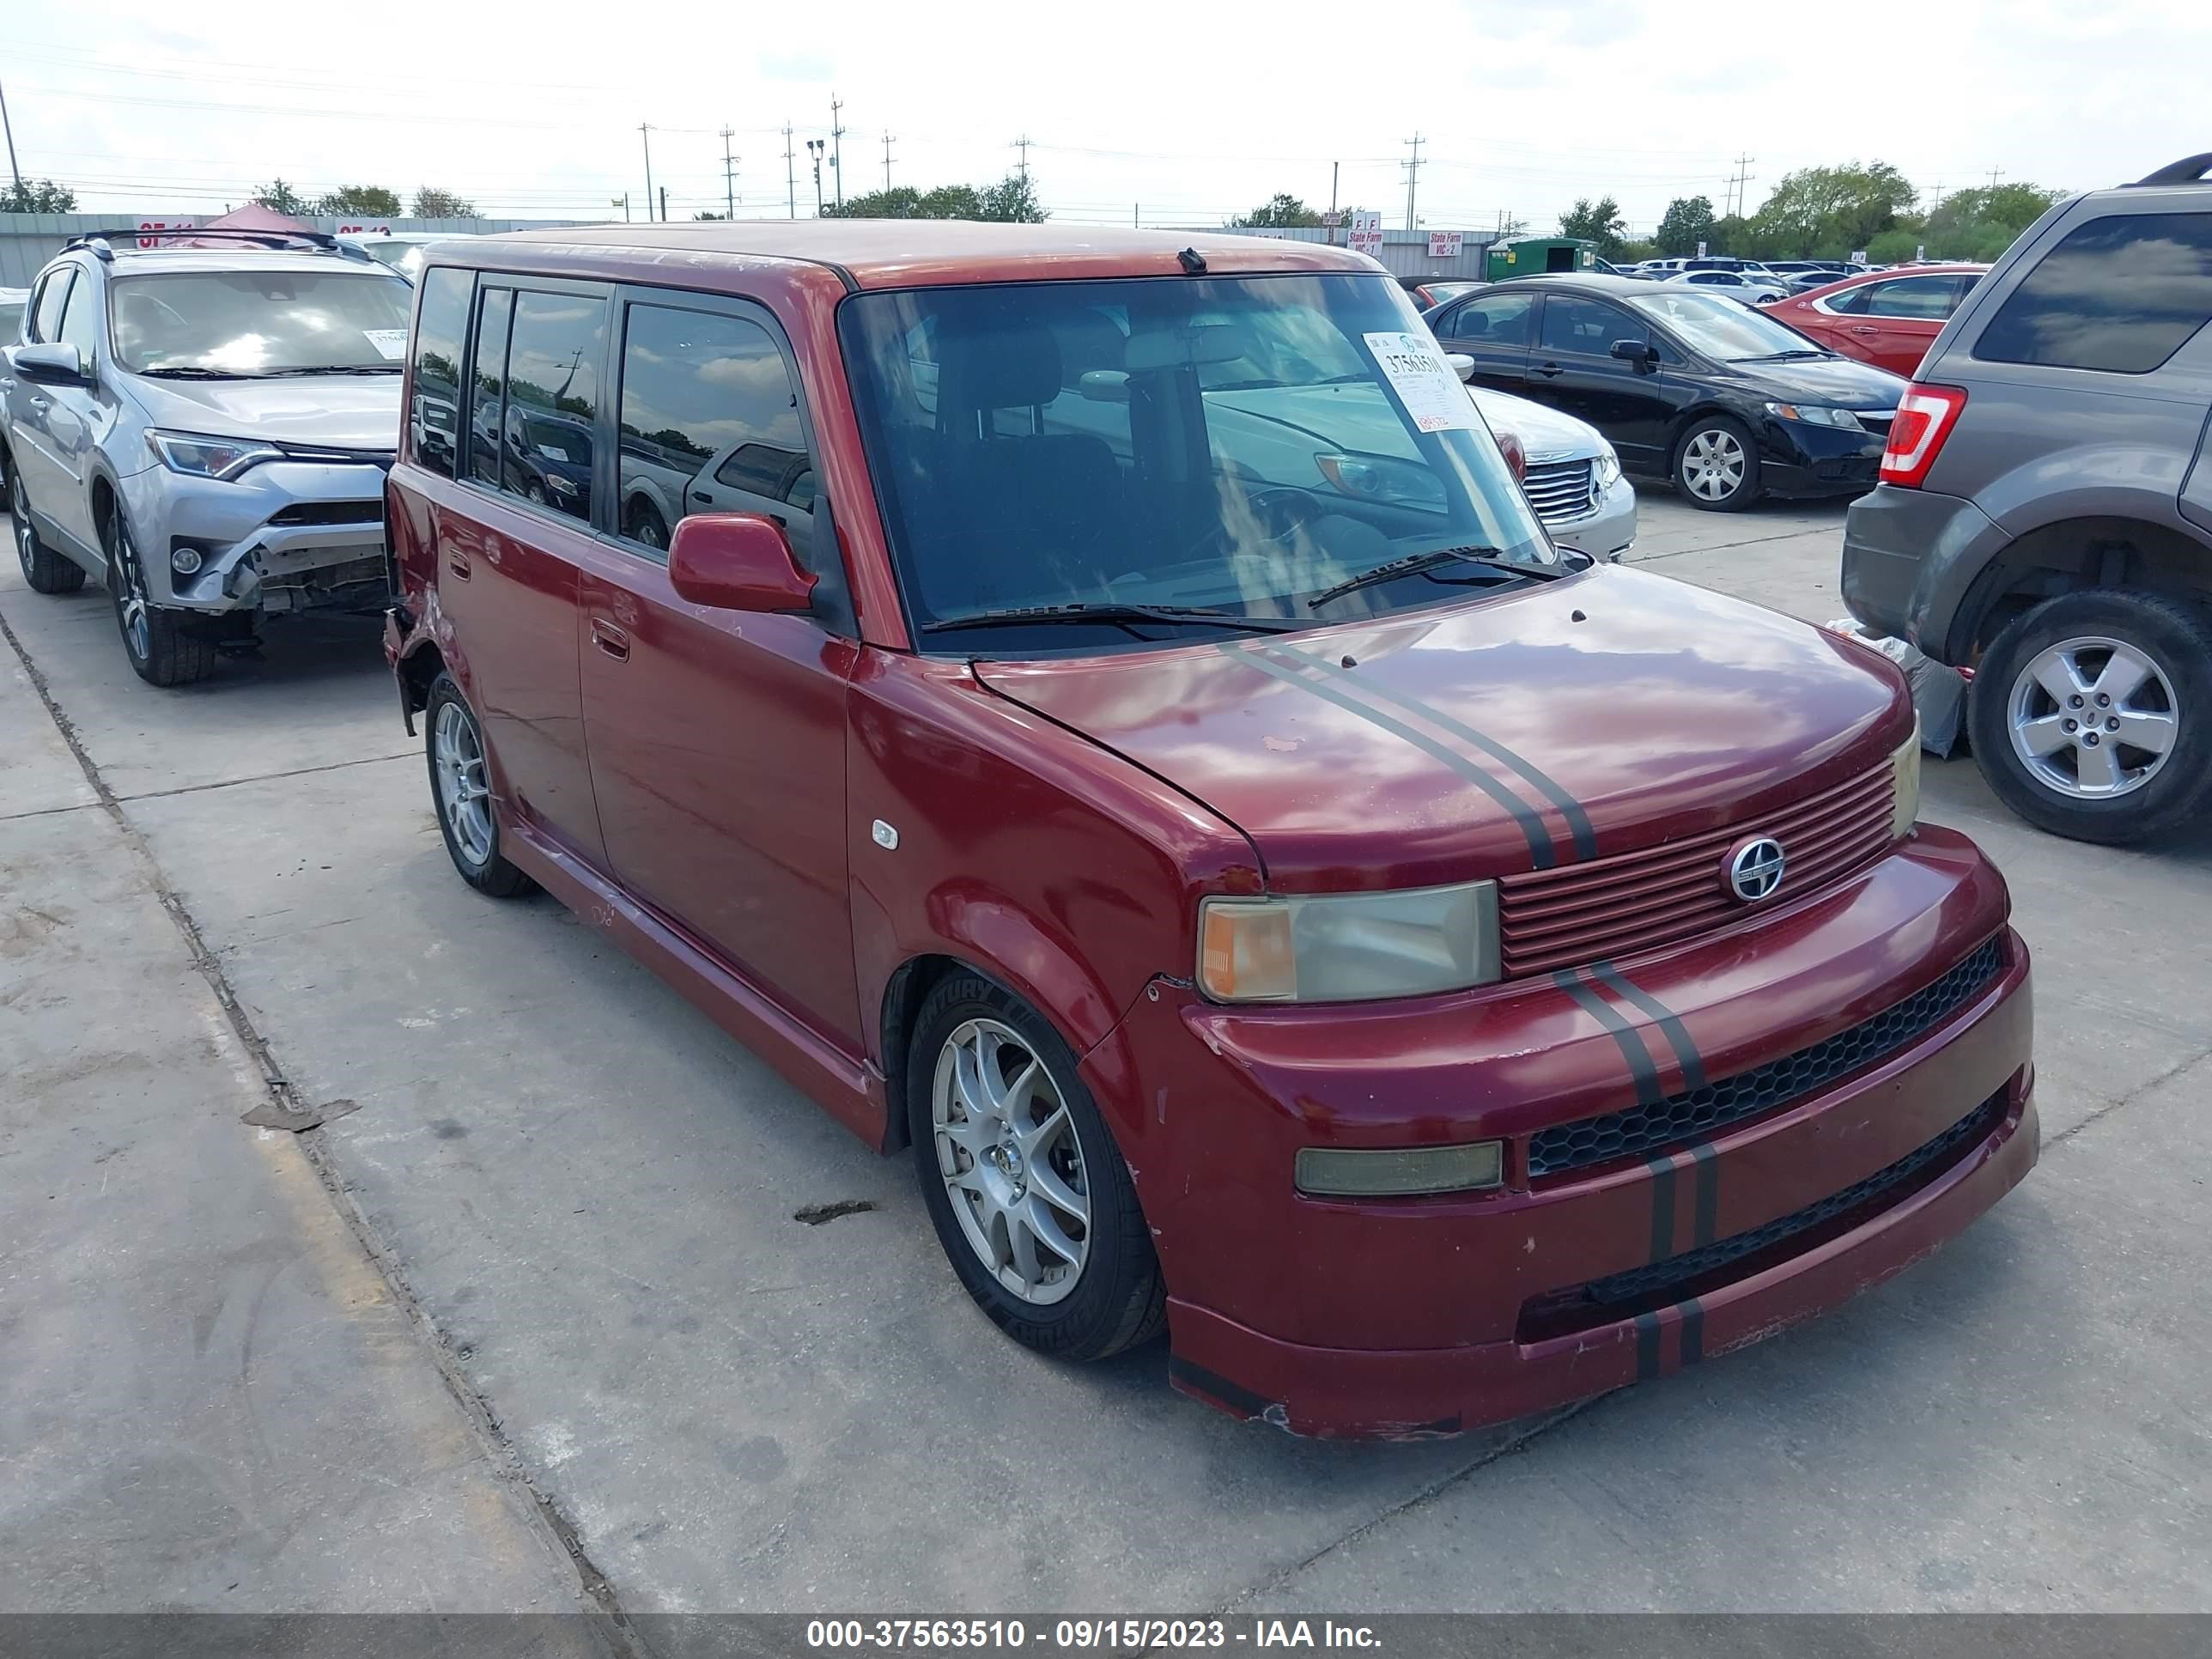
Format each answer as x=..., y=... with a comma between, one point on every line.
x=252, y=216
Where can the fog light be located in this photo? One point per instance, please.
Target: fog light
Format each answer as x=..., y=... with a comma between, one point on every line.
x=184, y=561
x=1330, y=1173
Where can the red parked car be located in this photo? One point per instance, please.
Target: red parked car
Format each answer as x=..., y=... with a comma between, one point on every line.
x=1886, y=318
x=1105, y=717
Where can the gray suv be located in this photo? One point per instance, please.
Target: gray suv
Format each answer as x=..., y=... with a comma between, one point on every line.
x=2044, y=513
x=206, y=429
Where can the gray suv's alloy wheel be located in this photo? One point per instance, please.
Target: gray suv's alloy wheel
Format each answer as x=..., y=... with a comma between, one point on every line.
x=45, y=569
x=2092, y=714
x=163, y=649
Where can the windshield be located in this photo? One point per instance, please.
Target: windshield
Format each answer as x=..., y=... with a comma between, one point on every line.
x=261, y=322
x=11, y=319
x=1721, y=327
x=1239, y=445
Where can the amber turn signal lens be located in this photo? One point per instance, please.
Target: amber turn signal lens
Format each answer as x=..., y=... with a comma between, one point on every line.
x=1245, y=953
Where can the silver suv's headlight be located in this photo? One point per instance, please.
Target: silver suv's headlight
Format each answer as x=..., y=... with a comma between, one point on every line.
x=209, y=458
x=1904, y=776
x=1348, y=947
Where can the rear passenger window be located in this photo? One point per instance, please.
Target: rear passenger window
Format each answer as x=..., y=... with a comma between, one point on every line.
x=709, y=424
x=1575, y=324
x=81, y=319
x=2120, y=295
x=1924, y=299
x=552, y=399
x=488, y=385
x=434, y=410
x=1503, y=321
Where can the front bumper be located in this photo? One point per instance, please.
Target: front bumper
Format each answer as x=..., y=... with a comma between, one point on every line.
x=1402, y=1316
x=1608, y=530
x=287, y=536
x=1799, y=458
x=1909, y=558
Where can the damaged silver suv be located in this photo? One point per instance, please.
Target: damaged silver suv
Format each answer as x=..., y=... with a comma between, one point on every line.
x=206, y=427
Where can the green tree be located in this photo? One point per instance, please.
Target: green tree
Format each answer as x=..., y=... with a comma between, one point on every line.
x=1012, y=200
x=1981, y=223
x=1598, y=222
x=280, y=197
x=37, y=196
x=1279, y=211
x=360, y=201
x=1830, y=211
x=1687, y=221
x=432, y=204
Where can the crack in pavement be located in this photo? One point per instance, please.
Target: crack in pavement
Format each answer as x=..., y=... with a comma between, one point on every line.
x=1427, y=1495
x=613, y=1625
x=196, y=788
x=2129, y=1099
x=1721, y=547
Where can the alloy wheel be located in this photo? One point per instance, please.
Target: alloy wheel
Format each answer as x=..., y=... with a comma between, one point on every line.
x=464, y=795
x=19, y=511
x=1012, y=1164
x=1713, y=463
x=2092, y=718
x=130, y=596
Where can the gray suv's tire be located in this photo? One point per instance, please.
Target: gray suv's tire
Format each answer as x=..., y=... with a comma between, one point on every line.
x=2091, y=715
x=162, y=647
x=44, y=569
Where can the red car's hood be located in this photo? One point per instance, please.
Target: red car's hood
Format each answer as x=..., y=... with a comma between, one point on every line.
x=1580, y=718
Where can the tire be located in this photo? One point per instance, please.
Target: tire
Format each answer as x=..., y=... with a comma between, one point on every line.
x=646, y=526
x=163, y=649
x=1716, y=451
x=2151, y=657
x=453, y=745
x=1114, y=1297
x=45, y=570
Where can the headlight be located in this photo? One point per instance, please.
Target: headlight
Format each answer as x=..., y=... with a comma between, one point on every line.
x=1382, y=478
x=1905, y=777
x=1816, y=415
x=1607, y=471
x=1348, y=947
x=561, y=485
x=209, y=458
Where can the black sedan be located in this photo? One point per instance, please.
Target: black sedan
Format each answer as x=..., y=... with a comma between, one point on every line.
x=1721, y=399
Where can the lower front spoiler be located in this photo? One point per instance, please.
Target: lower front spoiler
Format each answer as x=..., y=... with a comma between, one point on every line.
x=1352, y=1394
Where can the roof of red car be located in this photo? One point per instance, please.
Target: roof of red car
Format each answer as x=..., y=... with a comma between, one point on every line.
x=913, y=252
x=1861, y=278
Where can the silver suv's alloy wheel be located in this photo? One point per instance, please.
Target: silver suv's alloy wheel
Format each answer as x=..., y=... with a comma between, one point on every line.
x=130, y=598
x=2092, y=718
x=19, y=511
x=1713, y=463
x=463, y=795
x=1012, y=1164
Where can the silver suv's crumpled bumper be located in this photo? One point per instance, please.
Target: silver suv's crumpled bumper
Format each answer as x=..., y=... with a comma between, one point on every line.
x=286, y=535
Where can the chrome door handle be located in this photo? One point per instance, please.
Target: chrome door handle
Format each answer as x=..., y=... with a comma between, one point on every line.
x=610, y=639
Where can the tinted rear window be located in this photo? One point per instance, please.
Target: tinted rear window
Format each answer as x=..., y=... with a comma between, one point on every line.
x=432, y=415
x=2120, y=295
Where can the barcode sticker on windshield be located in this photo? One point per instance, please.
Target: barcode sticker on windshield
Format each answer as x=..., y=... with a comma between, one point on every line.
x=1424, y=381
x=392, y=342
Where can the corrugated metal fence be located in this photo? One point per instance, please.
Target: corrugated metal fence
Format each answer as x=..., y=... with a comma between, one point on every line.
x=28, y=241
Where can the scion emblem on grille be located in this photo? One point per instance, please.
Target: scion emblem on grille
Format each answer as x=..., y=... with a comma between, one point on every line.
x=1754, y=868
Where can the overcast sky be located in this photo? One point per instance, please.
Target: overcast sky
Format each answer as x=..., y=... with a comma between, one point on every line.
x=1192, y=110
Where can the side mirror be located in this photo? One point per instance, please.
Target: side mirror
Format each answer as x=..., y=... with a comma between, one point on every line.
x=737, y=562
x=1642, y=353
x=1462, y=364
x=49, y=365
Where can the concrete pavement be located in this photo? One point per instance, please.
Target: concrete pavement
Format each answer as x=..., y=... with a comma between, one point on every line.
x=590, y=1193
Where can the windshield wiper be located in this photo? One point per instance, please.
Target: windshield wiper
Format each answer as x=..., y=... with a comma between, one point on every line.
x=336, y=368
x=1489, y=557
x=194, y=372
x=1786, y=356
x=1112, y=613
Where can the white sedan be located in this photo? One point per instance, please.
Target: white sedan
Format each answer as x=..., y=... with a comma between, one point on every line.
x=1747, y=286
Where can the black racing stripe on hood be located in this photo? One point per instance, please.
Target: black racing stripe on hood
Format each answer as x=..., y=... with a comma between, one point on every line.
x=1541, y=852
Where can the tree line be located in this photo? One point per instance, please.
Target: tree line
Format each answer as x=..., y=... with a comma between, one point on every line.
x=1012, y=200
x=364, y=202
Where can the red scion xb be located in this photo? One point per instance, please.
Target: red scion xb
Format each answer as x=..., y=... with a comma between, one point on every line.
x=1096, y=709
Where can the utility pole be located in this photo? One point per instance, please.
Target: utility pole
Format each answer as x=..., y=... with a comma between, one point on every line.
x=1995, y=173
x=729, y=178
x=1738, y=198
x=1412, y=174
x=790, y=178
x=644, y=134
x=1022, y=144
x=814, y=149
x=887, y=160
x=837, y=149
x=1136, y=216
x=664, y=204
x=15, y=172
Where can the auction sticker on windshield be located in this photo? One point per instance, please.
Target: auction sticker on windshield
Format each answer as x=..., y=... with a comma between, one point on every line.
x=392, y=342
x=1424, y=381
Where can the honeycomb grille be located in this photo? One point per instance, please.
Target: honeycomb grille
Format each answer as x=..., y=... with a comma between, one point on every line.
x=1639, y=1283
x=1701, y=1111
